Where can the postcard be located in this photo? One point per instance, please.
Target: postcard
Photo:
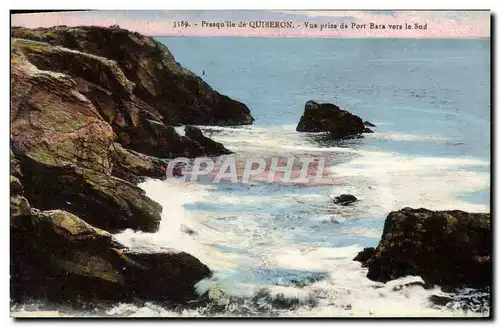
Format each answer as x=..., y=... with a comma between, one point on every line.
x=249, y=164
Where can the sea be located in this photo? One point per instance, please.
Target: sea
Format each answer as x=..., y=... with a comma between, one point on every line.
x=285, y=250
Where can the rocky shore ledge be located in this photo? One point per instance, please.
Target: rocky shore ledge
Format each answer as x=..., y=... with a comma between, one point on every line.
x=92, y=114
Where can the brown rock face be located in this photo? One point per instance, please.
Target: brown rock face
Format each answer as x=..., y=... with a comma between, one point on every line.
x=447, y=248
x=62, y=145
x=179, y=96
x=327, y=117
x=56, y=255
x=90, y=107
x=51, y=121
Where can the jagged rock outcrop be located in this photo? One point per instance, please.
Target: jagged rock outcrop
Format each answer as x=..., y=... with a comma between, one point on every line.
x=327, y=117
x=56, y=255
x=179, y=96
x=211, y=147
x=447, y=248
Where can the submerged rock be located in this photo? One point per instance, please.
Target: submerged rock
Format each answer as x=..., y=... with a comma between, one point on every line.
x=327, y=117
x=180, y=96
x=56, y=255
x=447, y=248
x=211, y=147
x=345, y=199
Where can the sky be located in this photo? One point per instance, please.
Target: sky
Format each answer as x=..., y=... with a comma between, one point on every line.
x=383, y=23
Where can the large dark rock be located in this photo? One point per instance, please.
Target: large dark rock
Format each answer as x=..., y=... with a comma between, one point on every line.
x=447, y=248
x=58, y=256
x=211, y=147
x=180, y=96
x=327, y=117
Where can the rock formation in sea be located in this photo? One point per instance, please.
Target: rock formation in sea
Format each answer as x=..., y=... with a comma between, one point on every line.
x=92, y=111
x=211, y=147
x=447, y=248
x=327, y=117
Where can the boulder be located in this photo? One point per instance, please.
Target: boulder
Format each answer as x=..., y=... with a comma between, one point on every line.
x=447, y=248
x=180, y=96
x=100, y=199
x=327, y=117
x=344, y=199
x=58, y=256
x=211, y=147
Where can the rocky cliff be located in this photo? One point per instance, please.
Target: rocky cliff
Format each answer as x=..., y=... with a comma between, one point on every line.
x=91, y=115
x=175, y=94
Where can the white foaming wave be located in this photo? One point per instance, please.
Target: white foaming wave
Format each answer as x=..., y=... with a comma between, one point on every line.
x=362, y=231
x=180, y=130
x=347, y=292
x=408, y=137
x=266, y=139
x=390, y=181
x=172, y=195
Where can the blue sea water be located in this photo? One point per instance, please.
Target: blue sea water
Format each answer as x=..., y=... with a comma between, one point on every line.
x=412, y=86
x=284, y=250
x=431, y=95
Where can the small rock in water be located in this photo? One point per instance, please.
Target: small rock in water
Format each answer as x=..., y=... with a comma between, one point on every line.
x=367, y=123
x=345, y=199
